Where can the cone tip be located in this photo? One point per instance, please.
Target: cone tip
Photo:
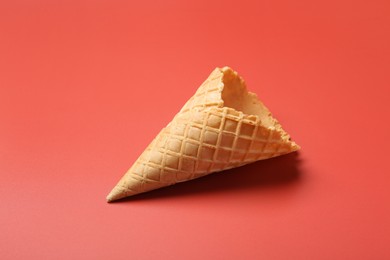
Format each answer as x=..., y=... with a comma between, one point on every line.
x=115, y=194
x=109, y=198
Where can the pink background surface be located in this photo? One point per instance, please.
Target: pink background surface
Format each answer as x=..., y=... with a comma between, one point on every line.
x=86, y=85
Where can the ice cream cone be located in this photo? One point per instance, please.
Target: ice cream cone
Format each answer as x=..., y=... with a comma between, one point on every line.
x=221, y=127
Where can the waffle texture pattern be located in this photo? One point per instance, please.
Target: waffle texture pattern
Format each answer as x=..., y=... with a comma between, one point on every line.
x=204, y=137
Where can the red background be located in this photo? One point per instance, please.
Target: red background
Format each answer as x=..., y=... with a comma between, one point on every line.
x=86, y=85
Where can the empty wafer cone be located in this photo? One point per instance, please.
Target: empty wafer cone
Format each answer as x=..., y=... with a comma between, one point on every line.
x=221, y=127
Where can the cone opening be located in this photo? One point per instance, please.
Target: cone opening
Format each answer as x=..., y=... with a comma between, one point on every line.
x=235, y=95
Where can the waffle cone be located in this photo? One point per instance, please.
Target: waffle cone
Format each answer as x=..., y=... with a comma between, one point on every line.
x=221, y=127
